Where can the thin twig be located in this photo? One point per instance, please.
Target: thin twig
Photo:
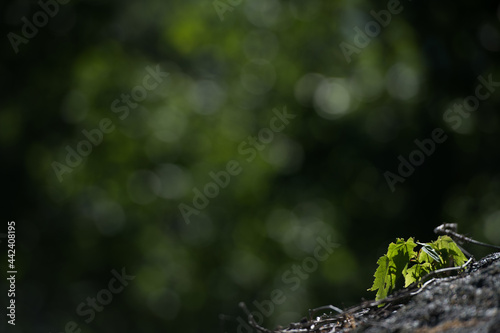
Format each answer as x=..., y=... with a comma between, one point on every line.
x=450, y=229
x=251, y=320
x=325, y=307
x=446, y=270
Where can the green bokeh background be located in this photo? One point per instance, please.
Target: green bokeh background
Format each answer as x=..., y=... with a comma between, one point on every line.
x=323, y=175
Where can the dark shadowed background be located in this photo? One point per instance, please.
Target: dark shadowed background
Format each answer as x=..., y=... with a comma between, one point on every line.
x=207, y=152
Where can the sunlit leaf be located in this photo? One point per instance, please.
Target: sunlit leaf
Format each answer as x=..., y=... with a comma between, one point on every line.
x=431, y=252
x=401, y=260
x=385, y=278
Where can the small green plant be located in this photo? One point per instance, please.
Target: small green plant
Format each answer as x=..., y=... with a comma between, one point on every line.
x=402, y=260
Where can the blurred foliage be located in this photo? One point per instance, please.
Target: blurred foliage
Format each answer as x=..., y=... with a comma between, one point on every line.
x=322, y=175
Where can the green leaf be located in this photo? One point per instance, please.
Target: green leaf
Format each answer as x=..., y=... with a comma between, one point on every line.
x=400, y=255
x=451, y=253
x=416, y=272
x=431, y=252
x=392, y=266
x=401, y=249
x=385, y=278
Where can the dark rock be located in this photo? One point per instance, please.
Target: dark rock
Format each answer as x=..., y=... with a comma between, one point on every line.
x=469, y=302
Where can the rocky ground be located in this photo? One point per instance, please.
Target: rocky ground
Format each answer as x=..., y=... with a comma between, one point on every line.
x=468, y=302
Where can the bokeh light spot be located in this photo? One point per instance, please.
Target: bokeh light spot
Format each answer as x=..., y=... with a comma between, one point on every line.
x=332, y=99
x=175, y=181
x=402, y=82
x=305, y=88
x=263, y=13
x=492, y=227
x=206, y=97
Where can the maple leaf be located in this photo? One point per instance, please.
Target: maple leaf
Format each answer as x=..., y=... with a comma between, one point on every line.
x=402, y=261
